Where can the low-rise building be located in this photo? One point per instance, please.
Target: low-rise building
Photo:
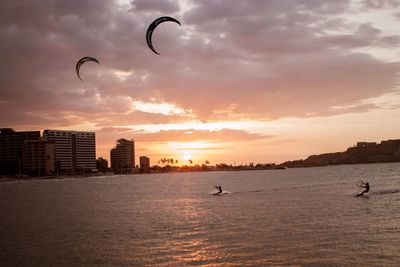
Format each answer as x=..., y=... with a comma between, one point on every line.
x=144, y=164
x=102, y=164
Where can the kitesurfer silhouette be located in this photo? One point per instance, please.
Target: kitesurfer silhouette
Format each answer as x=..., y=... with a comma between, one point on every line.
x=366, y=186
x=219, y=190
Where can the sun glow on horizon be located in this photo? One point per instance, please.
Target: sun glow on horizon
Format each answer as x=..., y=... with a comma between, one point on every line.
x=191, y=151
x=186, y=156
x=190, y=145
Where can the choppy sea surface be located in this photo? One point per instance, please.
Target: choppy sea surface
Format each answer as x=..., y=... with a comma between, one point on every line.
x=293, y=217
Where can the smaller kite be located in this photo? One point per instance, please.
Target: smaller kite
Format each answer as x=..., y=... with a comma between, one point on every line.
x=153, y=26
x=80, y=63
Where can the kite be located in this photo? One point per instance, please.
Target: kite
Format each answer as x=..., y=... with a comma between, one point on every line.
x=153, y=26
x=80, y=63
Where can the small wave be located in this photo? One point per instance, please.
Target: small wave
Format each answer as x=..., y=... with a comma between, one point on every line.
x=387, y=191
x=255, y=191
x=238, y=192
x=244, y=192
x=220, y=194
x=379, y=192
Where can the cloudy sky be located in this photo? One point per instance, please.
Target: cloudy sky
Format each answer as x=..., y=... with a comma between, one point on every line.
x=240, y=81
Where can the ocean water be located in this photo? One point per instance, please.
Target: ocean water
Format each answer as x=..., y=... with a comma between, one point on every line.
x=293, y=217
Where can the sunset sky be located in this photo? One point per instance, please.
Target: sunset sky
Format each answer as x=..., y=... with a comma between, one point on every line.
x=240, y=81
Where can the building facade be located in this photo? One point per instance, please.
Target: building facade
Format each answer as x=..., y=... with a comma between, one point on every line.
x=123, y=156
x=38, y=157
x=74, y=151
x=102, y=164
x=144, y=164
x=11, y=149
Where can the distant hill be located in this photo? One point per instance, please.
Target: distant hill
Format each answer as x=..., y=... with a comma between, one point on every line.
x=362, y=152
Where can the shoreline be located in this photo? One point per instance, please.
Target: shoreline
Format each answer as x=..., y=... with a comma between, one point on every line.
x=5, y=178
x=13, y=178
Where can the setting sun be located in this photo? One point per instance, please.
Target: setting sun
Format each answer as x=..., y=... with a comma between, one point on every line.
x=190, y=150
x=187, y=157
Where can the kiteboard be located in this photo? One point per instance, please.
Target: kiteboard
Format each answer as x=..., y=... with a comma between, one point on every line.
x=220, y=194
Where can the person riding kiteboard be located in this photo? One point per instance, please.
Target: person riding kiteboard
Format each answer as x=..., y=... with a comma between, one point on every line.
x=366, y=190
x=219, y=190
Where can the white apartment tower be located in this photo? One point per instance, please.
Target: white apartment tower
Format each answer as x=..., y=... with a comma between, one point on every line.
x=74, y=151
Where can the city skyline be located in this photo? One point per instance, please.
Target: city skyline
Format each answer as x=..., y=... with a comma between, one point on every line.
x=246, y=82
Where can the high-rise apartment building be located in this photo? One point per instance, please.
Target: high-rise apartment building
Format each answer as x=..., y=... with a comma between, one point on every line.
x=11, y=148
x=123, y=156
x=74, y=151
x=38, y=157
